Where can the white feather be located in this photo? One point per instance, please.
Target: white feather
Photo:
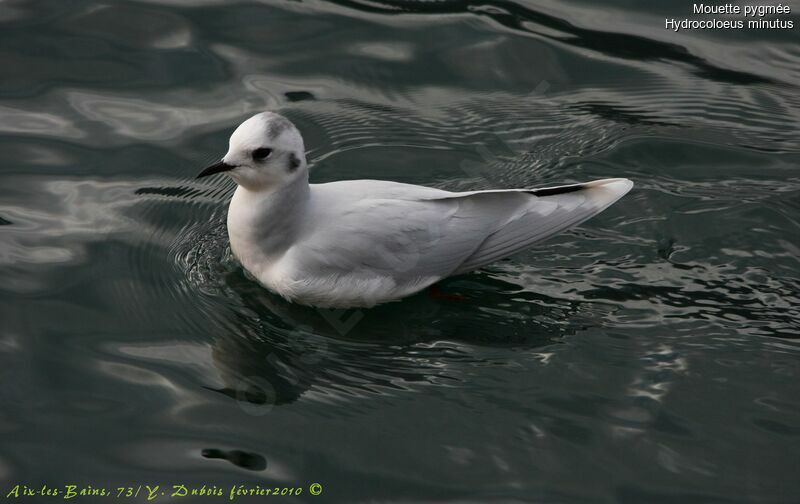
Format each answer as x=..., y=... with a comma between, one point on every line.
x=365, y=242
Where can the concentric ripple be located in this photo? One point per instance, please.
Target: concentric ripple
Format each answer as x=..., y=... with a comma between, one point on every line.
x=652, y=351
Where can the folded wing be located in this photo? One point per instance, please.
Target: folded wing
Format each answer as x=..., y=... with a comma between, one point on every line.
x=545, y=212
x=413, y=239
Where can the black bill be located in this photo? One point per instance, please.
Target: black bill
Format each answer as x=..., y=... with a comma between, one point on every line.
x=218, y=167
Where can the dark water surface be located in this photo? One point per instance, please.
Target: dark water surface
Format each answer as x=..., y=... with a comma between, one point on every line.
x=650, y=355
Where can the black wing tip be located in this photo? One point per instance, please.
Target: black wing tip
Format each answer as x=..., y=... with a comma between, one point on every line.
x=552, y=191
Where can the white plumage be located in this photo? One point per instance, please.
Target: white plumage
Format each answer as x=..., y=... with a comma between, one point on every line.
x=359, y=243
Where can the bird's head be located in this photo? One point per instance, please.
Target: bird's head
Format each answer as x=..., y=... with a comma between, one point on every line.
x=265, y=152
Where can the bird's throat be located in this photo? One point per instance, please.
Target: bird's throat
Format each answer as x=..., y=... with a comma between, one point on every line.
x=263, y=224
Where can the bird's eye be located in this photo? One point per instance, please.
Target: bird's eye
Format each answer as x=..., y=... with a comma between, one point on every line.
x=261, y=153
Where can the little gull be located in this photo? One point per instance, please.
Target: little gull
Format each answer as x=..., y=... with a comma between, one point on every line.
x=358, y=243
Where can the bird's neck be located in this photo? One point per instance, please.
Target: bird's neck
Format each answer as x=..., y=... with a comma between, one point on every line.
x=263, y=224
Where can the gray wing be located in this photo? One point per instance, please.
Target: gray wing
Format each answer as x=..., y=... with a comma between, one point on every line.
x=546, y=212
x=419, y=237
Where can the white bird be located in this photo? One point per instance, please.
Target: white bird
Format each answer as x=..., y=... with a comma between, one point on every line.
x=358, y=243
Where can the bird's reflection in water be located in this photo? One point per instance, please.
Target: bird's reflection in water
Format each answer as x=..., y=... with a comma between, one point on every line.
x=279, y=350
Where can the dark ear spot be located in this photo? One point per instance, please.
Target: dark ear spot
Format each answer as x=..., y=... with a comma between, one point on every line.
x=294, y=162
